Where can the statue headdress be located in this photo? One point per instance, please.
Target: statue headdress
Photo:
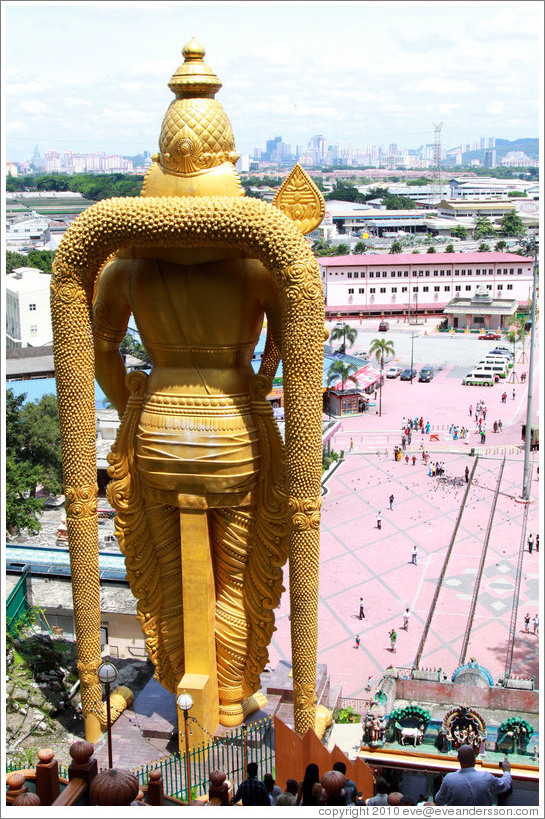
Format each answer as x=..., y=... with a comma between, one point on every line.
x=196, y=136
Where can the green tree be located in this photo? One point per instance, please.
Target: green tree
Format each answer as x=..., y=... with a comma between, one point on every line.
x=449, y=248
x=344, y=192
x=33, y=456
x=483, y=228
x=459, y=232
x=341, y=250
x=500, y=246
x=431, y=249
x=396, y=247
x=130, y=346
x=483, y=248
x=516, y=194
x=415, y=252
x=344, y=372
x=346, y=333
x=14, y=260
x=42, y=259
x=321, y=248
x=380, y=349
x=360, y=247
x=512, y=225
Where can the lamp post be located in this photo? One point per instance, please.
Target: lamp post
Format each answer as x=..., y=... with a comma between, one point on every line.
x=185, y=703
x=527, y=438
x=107, y=674
x=413, y=336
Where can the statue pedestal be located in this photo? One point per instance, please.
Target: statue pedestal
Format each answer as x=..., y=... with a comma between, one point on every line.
x=204, y=710
x=199, y=603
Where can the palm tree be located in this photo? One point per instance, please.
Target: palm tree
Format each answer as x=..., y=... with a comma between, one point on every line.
x=343, y=371
x=380, y=348
x=522, y=338
x=345, y=332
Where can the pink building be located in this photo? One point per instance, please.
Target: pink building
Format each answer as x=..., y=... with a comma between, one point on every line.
x=402, y=283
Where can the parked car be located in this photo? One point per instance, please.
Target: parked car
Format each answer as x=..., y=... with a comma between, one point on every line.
x=491, y=336
x=393, y=372
x=408, y=374
x=503, y=351
x=383, y=326
x=426, y=374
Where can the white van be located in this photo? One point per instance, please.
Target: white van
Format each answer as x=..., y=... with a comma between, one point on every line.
x=479, y=377
x=497, y=366
x=497, y=359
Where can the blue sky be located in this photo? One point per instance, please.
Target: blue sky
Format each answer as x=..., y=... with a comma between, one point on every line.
x=93, y=76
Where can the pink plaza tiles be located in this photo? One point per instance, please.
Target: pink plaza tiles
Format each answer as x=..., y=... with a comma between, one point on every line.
x=359, y=560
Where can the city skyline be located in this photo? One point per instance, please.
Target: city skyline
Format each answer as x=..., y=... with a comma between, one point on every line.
x=379, y=78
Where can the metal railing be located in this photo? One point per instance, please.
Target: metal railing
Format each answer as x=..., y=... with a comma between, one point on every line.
x=229, y=753
x=17, y=603
x=477, y=585
x=516, y=591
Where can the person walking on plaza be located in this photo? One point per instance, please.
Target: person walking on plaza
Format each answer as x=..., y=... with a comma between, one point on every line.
x=500, y=425
x=527, y=623
x=414, y=556
x=470, y=787
x=427, y=427
x=357, y=641
x=391, y=499
x=514, y=393
x=362, y=612
x=379, y=520
x=537, y=542
x=406, y=615
x=403, y=442
x=536, y=625
x=393, y=637
x=351, y=444
x=530, y=543
x=470, y=410
x=467, y=474
x=414, y=460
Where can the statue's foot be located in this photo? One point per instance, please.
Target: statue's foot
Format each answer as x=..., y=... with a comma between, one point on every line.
x=254, y=703
x=323, y=720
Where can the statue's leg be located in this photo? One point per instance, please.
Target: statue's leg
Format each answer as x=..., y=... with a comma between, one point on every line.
x=164, y=527
x=232, y=534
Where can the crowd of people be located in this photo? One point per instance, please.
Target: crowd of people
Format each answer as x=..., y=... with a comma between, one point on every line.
x=465, y=786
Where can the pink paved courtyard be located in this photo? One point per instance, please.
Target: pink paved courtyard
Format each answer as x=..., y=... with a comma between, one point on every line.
x=359, y=560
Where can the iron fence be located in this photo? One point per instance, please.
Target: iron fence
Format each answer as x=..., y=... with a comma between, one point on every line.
x=229, y=753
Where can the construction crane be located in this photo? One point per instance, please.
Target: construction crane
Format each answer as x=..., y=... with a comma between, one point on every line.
x=437, y=188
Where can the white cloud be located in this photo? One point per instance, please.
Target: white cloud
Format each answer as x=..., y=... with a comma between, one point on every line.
x=35, y=108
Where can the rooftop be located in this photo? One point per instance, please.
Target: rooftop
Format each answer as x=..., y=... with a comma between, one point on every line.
x=421, y=259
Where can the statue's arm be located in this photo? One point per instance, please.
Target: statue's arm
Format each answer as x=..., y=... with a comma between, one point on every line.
x=273, y=344
x=111, y=313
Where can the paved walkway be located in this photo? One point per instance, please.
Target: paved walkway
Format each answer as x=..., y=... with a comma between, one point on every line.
x=359, y=560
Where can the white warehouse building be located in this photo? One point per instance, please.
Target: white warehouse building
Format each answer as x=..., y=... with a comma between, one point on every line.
x=400, y=283
x=28, y=314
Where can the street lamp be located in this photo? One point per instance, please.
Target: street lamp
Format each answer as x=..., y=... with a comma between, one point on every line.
x=413, y=336
x=185, y=703
x=533, y=246
x=107, y=674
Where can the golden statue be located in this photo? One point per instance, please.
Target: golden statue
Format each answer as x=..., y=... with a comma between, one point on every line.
x=209, y=504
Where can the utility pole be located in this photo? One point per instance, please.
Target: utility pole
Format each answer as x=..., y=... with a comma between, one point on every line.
x=527, y=438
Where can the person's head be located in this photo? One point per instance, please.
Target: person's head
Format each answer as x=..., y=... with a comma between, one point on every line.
x=406, y=800
x=341, y=767
x=252, y=769
x=268, y=779
x=466, y=756
x=382, y=785
x=395, y=798
x=312, y=775
x=292, y=786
